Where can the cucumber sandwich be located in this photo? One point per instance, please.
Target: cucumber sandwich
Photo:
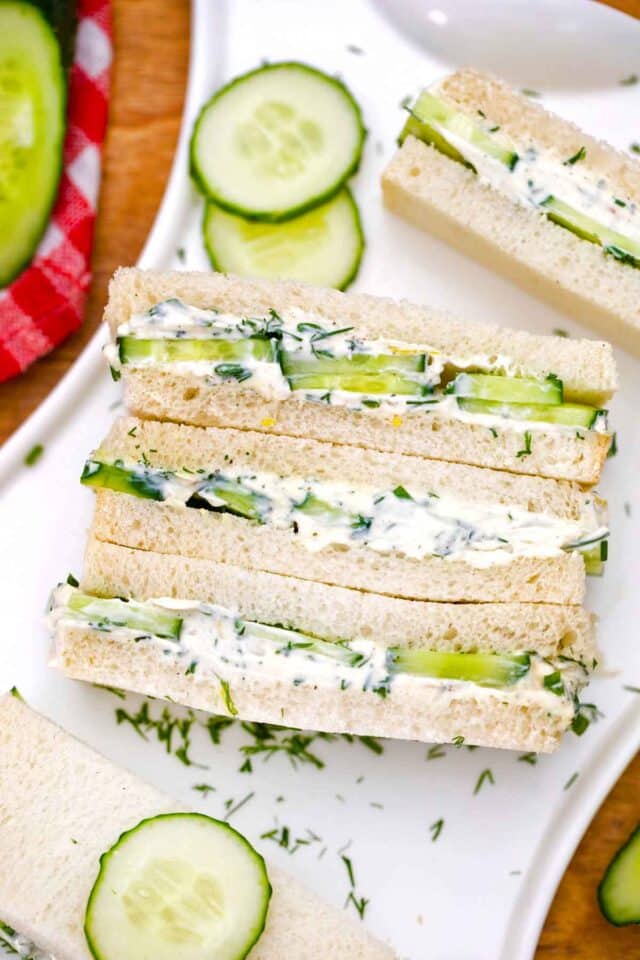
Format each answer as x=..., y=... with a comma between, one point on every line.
x=105, y=866
x=279, y=649
x=528, y=194
x=283, y=358
x=392, y=524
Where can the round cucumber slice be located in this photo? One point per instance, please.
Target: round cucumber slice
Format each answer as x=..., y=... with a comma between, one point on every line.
x=323, y=246
x=32, y=123
x=276, y=141
x=178, y=885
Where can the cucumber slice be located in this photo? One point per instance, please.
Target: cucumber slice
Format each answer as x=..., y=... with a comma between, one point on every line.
x=382, y=383
x=619, y=890
x=136, y=483
x=125, y=613
x=238, y=499
x=564, y=414
x=312, y=506
x=32, y=125
x=178, y=885
x=132, y=350
x=323, y=246
x=296, y=364
x=485, y=386
x=429, y=110
x=292, y=641
x=619, y=246
x=276, y=141
x=483, y=669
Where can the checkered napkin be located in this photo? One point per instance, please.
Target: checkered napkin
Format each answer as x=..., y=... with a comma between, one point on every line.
x=46, y=302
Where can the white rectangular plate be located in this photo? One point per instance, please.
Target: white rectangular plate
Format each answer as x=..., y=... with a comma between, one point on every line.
x=490, y=874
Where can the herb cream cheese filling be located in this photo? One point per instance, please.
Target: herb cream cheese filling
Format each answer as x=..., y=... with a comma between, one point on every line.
x=413, y=523
x=14, y=943
x=214, y=644
x=295, y=356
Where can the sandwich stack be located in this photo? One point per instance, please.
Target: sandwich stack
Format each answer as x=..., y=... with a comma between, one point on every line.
x=337, y=512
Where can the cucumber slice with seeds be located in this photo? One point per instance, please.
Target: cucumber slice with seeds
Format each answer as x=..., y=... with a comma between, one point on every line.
x=323, y=246
x=619, y=890
x=125, y=613
x=137, y=483
x=485, y=386
x=296, y=364
x=563, y=414
x=178, y=885
x=621, y=247
x=382, y=383
x=32, y=126
x=483, y=669
x=166, y=350
x=276, y=141
x=430, y=120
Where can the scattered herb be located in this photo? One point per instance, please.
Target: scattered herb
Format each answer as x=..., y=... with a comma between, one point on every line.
x=634, y=147
x=71, y=580
x=352, y=48
x=181, y=254
x=436, y=829
x=132, y=432
x=232, y=371
x=360, y=903
x=528, y=92
x=116, y=691
x=526, y=450
x=402, y=494
x=167, y=728
x=554, y=683
x=572, y=779
x=530, y=758
x=458, y=741
x=34, y=455
x=613, y=449
x=232, y=808
x=585, y=714
x=435, y=752
x=559, y=332
x=486, y=775
x=631, y=689
x=494, y=432
x=349, y=865
x=627, y=509
x=629, y=81
x=228, y=701
x=494, y=129
x=618, y=202
x=204, y=788
x=578, y=155
x=405, y=102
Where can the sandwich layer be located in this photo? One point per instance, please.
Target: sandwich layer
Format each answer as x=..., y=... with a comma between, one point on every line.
x=62, y=805
x=370, y=383
x=528, y=238
x=279, y=650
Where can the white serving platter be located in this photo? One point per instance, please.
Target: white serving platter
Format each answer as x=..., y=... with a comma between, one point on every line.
x=481, y=890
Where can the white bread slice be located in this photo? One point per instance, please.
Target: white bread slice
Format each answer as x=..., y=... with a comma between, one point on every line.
x=442, y=196
x=586, y=368
x=62, y=805
x=165, y=528
x=487, y=717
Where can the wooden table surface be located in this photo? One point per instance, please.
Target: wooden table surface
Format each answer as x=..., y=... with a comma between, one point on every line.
x=152, y=46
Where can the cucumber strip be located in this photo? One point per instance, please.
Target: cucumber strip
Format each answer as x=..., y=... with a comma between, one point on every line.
x=137, y=483
x=485, y=386
x=430, y=116
x=563, y=414
x=166, y=350
x=619, y=246
x=483, y=669
x=323, y=246
x=292, y=641
x=178, y=885
x=619, y=889
x=122, y=613
x=32, y=126
x=295, y=364
x=382, y=383
x=276, y=141
x=238, y=499
x=312, y=506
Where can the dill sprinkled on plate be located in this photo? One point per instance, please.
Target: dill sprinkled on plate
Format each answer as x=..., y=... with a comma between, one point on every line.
x=34, y=455
x=436, y=829
x=572, y=779
x=528, y=92
x=530, y=758
x=577, y=156
x=435, y=752
x=559, y=332
x=167, y=728
x=232, y=807
x=629, y=81
x=631, y=689
x=204, y=788
x=526, y=450
x=458, y=741
x=485, y=776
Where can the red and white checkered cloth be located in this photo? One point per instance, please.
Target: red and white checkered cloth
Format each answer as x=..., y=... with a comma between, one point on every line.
x=46, y=302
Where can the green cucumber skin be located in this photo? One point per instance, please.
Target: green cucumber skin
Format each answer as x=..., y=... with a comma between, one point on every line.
x=104, y=862
x=281, y=215
x=43, y=12
x=488, y=670
x=547, y=392
x=120, y=479
x=586, y=417
x=354, y=268
x=356, y=363
x=134, y=348
x=603, y=903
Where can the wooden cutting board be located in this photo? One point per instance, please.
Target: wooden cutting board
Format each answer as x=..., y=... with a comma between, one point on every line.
x=152, y=48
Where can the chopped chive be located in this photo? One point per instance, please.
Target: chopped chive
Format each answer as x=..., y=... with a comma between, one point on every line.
x=629, y=81
x=485, y=776
x=436, y=829
x=578, y=155
x=34, y=455
x=526, y=450
x=572, y=779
